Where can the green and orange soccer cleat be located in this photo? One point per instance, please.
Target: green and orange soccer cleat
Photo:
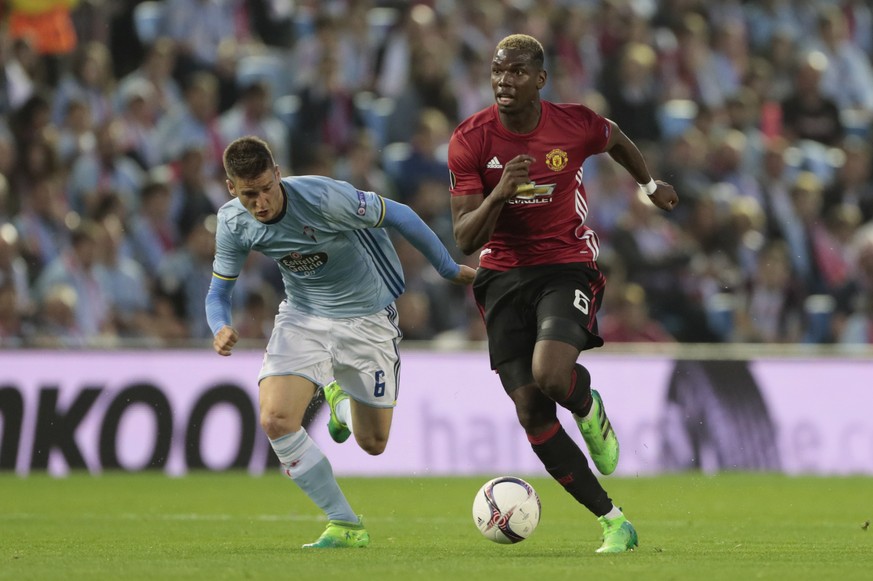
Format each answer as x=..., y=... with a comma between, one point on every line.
x=599, y=436
x=334, y=394
x=619, y=535
x=342, y=535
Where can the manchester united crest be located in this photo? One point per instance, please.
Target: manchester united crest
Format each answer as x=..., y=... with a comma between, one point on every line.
x=556, y=159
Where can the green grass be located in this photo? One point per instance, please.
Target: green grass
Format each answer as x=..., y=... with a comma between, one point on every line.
x=232, y=526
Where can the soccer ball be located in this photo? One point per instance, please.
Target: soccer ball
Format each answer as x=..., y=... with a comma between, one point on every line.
x=506, y=510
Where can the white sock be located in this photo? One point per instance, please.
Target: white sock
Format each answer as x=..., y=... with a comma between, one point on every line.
x=614, y=513
x=306, y=465
x=590, y=413
x=344, y=413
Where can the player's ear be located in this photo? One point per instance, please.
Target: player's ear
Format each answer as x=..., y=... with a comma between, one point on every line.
x=230, y=187
x=541, y=79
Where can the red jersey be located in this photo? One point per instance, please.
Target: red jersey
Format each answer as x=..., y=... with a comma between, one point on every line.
x=547, y=225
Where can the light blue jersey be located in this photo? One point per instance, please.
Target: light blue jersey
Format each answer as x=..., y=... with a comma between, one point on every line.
x=334, y=260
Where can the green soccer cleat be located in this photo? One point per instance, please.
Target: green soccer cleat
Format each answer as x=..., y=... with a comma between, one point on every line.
x=334, y=394
x=619, y=535
x=599, y=436
x=342, y=535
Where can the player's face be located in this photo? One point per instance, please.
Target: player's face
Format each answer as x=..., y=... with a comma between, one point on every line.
x=261, y=196
x=515, y=79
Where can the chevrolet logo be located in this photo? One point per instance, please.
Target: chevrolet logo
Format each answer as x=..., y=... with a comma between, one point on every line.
x=533, y=190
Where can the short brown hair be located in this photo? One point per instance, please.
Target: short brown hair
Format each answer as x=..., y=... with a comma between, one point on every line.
x=526, y=44
x=247, y=158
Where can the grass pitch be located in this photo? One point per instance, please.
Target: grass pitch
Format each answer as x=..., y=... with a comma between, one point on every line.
x=233, y=526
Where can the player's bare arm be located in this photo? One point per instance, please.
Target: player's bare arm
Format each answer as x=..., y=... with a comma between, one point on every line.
x=466, y=275
x=626, y=153
x=474, y=216
x=224, y=340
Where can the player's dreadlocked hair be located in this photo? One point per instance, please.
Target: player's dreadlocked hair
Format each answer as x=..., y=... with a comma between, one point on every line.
x=247, y=158
x=527, y=44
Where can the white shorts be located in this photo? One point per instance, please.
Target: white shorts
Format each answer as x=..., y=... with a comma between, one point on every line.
x=359, y=352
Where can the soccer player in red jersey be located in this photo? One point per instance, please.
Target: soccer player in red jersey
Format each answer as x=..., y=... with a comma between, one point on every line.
x=517, y=193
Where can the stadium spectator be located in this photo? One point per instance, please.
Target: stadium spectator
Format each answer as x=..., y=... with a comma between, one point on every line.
x=361, y=166
x=90, y=80
x=193, y=122
x=808, y=113
x=725, y=163
x=807, y=238
x=775, y=179
x=76, y=268
x=55, y=324
x=153, y=232
x=853, y=320
x=36, y=160
x=327, y=120
x=430, y=87
x=257, y=314
x=5, y=195
x=49, y=25
x=183, y=277
x=689, y=71
x=253, y=114
x=425, y=160
x=104, y=171
x=14, y=270
x=12, y=322
x=769, y=309
x=122, y=280
x=137, y=118
x=417, y=23
x=657, y=254
x=628, y=320
x=848, y=78
x=75, y=136
x=633, y=93
x=194, y=195
x=157, y=70
x=18, y=82
x=41, y=223
x=198, y=27
x=852, y=183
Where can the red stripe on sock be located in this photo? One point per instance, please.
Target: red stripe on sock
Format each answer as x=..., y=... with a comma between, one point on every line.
x=545, y=436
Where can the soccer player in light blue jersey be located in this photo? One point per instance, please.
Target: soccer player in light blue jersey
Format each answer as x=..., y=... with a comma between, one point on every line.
x=338, y=319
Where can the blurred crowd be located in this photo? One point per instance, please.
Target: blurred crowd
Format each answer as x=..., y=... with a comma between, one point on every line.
x=114, y=115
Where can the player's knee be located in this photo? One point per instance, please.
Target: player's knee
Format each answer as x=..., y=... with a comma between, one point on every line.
x=372, y=444
x=276, y=423
x=553, y=380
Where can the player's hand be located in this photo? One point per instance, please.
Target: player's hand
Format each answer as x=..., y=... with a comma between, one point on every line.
x=224, y=340
x=466, y=275
x=665, y=196
x=515, y=173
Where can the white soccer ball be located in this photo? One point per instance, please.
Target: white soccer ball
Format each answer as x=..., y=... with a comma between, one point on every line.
x=506, y=510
